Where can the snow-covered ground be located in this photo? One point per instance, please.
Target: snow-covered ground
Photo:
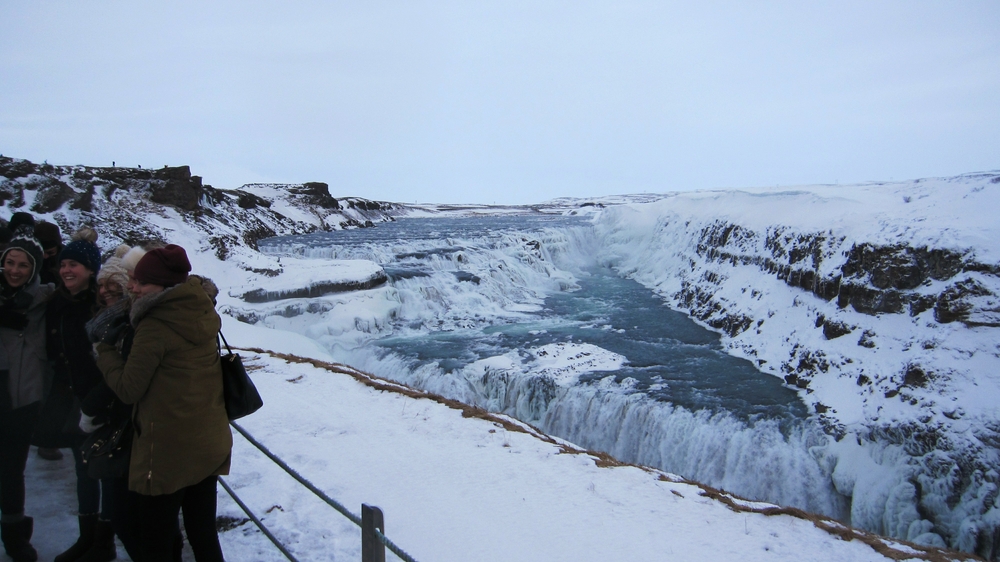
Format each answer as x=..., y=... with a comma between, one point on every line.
x=456, y=484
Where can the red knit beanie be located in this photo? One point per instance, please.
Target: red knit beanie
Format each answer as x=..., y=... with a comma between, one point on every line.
x=167, y=266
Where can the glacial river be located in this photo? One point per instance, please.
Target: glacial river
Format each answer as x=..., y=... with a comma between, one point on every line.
x=474, y=288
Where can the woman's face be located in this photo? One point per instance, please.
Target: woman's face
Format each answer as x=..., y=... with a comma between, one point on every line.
x=131, y=285
x=140, y=289
x=75, y=276
x=109, y=292
x=16, y=268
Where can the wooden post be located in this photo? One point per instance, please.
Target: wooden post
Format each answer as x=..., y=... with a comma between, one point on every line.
x=372, y=549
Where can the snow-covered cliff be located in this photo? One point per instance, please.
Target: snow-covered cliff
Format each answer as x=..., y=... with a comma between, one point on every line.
x=880, y=303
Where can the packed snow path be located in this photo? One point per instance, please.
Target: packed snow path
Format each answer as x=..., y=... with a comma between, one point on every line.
x=455, y=486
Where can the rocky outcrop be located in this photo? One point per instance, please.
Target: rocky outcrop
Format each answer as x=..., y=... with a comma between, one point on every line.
x=119, y=203
x=316, y=289
x=869, y=278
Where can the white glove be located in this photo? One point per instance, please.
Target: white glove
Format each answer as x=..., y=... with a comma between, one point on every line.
x=87, y=423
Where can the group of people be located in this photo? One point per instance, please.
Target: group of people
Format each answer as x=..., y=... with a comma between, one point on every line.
x=127, y=341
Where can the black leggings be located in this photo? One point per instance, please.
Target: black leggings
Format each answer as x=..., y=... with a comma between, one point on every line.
x=15, y=441
x=157, y=517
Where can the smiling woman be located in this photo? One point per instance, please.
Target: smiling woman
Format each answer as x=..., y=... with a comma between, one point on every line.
x=76, y=376
x=23, y=375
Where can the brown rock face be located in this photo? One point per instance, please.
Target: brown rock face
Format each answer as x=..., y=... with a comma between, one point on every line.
x=176, y=187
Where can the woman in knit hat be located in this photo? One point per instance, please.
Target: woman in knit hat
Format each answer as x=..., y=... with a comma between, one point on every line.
x=173, y=377
x=22, y=360
x=72, y=305
x=112, y=280
x=111, y=326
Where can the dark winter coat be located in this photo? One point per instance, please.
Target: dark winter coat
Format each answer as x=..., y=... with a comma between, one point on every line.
x=174, y=378
x=22, y=334
x=67, y=345
x=111, y=326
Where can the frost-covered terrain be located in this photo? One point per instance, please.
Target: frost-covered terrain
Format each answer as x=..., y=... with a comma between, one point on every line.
x=876, y=303
x=456, y=484
x=880, y=302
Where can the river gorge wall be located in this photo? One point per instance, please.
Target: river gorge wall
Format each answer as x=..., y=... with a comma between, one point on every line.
x=879, y=304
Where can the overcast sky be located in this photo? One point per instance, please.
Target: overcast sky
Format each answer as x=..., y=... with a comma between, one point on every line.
x=509, y=102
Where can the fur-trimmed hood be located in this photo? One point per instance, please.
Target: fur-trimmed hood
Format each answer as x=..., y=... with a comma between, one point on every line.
x=184, y=308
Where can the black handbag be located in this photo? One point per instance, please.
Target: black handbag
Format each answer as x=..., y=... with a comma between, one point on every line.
x=107, y=450
x=238, y=391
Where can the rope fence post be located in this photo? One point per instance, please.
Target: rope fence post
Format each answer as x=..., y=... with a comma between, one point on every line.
x=372, y=549
x=373, y=540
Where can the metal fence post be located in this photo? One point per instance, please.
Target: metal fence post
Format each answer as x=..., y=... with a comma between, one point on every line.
x=372, y=549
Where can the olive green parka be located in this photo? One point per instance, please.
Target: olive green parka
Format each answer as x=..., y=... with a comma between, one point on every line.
x=174, y=379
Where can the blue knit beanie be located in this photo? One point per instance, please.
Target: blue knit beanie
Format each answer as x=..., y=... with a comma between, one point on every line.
x=83, y=250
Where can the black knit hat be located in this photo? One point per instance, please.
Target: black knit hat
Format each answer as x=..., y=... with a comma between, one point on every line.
x=83, y=251
x=31, y=247
x=20, y=221
x=48, y=234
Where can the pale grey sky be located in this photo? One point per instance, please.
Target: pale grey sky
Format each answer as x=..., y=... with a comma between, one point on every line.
x=507, y=102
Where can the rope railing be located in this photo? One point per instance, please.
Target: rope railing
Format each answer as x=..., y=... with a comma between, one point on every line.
x=257, y=521
x=371, y=525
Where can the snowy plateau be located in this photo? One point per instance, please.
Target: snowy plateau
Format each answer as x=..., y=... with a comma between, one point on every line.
x=879, y=304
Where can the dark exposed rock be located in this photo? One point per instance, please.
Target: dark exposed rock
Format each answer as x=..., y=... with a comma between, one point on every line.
x=52, y=194
x=900, y=267
x=871, y=279
x=13, y=169
x=867, y=339
x=266, y=272
x=84, y=201
x=953, y=303
x=252, y=236
x=222, y=244
x=176, y=173
x=316, y=290
x=915, y=376
x=178, y=188
x=797, y=381
x=249, y=200
x=863, y=380
x=833, y=329
x=731, y=324
x=869, y=300
x=317, y=193
x=921, y=303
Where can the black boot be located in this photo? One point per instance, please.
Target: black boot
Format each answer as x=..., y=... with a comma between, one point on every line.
x=84, y=542
x=17, y=540
x=103, y=549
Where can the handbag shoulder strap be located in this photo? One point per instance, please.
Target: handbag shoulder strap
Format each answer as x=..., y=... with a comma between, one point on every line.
x=228, y=350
